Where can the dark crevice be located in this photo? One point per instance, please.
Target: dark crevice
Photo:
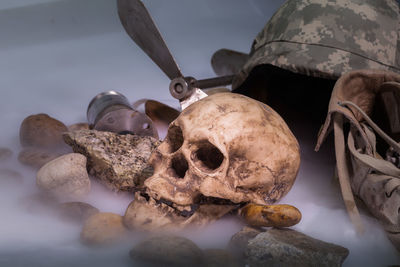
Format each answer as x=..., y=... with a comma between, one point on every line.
x=179, y=166
x=207, y=157
x=126, y=132
x=201, y=200
x=174, y=138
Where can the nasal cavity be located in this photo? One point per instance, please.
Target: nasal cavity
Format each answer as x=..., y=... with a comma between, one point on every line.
x=179, y=166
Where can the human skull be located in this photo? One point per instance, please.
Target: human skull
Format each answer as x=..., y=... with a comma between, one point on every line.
x=225, y=146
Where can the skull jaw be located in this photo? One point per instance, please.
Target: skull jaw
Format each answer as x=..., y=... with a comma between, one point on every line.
x=146, y=213
x=180, y=192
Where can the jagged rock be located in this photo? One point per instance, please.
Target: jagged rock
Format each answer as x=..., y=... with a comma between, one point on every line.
x=65, y=176
x=5, y=153
x=167, y=251
x=78, y=126
x=10, y=177
x=119, y=161
x=76, y=211
x=37, y=157
x=239, y=241
x=41, y=130
x=287, y=247
x=102, y=228
x=219, y=257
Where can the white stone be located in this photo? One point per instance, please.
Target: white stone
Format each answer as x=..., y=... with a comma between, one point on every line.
x=65, y=176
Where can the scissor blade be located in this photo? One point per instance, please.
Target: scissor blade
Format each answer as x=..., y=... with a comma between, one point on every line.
x=141, y=28
x=228, y=62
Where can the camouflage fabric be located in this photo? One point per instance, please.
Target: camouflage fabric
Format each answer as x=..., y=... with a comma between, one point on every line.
x=327, y=38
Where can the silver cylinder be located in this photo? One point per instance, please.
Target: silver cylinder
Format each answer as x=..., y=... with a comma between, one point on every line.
x=104, y=103
x=111, y=111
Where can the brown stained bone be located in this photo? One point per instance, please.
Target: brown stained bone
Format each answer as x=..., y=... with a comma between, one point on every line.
x=119, y=161
x=225, y=146
x=146, y=213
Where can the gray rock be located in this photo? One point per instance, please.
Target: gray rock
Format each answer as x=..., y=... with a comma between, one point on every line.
x=167, y=251
x=119, y=161
x=76, y=211
x=219, y=257
x=239, y=241
x=36, y=157
x=65, y=176
x=287, y=247
x=5, y=153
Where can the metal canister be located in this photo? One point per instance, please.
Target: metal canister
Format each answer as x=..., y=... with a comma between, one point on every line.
x=111, y=111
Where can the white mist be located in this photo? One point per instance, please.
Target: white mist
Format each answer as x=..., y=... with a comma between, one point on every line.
x=56, y=55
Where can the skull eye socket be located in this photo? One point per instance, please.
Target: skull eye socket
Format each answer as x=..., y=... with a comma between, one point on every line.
x=179, y=166
x=175, y=138
x=207, y=157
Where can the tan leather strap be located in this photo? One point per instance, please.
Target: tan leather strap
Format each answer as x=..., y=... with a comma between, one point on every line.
x=382, y=166
x=387, y=172
x=376, y=128
x=343, y=174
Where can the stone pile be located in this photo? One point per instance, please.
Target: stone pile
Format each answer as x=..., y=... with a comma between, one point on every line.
x=117, y=161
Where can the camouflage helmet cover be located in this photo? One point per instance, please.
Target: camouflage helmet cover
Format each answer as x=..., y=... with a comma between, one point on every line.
x=326, y=38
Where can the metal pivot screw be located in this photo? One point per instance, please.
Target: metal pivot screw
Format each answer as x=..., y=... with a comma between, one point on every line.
x=180, y=87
